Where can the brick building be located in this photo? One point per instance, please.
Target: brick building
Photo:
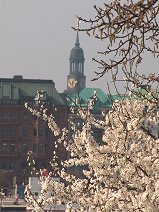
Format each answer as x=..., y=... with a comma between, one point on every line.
x=20, y=131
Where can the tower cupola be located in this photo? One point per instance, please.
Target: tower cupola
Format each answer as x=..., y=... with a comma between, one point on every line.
x=77, y=55
x=76, y=68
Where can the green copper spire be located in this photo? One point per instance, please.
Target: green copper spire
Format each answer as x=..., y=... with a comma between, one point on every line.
x=77, y=40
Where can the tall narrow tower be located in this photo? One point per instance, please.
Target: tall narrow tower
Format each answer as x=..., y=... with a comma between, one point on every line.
x=76, y=80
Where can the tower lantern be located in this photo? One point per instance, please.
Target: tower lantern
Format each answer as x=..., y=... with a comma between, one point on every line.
x=76, y=80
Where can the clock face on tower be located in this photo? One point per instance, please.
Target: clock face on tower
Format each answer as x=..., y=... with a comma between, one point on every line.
x=72, y=83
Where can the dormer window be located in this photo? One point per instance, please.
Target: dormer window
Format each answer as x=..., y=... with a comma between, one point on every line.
x=40, y=97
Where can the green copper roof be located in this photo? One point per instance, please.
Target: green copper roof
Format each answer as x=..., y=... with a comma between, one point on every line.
x=101, y=100
x=17, y=88
x=145, y=91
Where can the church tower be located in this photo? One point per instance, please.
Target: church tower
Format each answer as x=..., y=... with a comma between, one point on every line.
x=76, y=80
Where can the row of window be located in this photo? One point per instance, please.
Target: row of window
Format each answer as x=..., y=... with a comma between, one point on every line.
x=6, y=100
x=12, y=149
x=13, y=116
x=41, y=132
x=11, y=165
x=7, y=133
x=36, y=148
x=5, y=148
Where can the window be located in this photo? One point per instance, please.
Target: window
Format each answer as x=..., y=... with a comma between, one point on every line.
x=35, y=132
x=3, y=166
x=9, y=133
x=36, y=165
x=40, y=148
x=4, y=148
x=41, y=96
x=5, y=97
x=13, y=133
x=25, y=147
x=42, y=165
x=46, y=148
x=34, y=148
x=97, y=135
x=13, y=116
x=11, y=165
x=6, y=90
x=41, y=132
x=25, y=132
x=13, y=102
x=12, y=148
x=46, y=132
x=5, y=117
x=5, y=133
x=25, y=116
x=57, y=117
x=24, y=165
x=36, y=194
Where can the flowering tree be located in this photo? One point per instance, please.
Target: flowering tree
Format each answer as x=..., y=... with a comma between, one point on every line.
x=121, y=171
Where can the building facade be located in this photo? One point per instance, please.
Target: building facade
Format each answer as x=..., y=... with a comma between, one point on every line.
x=20, y=131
